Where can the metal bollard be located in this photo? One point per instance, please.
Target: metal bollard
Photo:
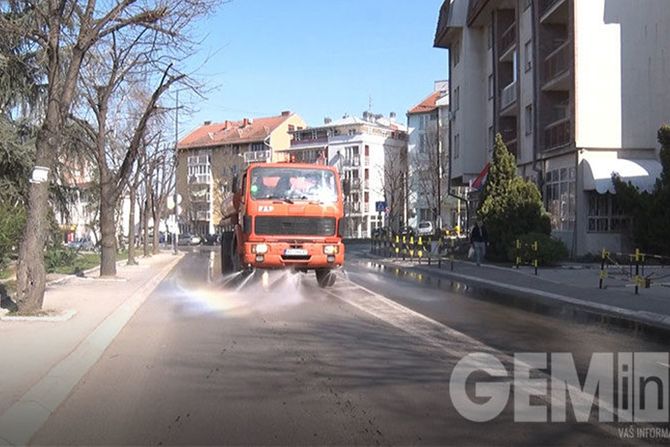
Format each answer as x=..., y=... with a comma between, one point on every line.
x=535, y=247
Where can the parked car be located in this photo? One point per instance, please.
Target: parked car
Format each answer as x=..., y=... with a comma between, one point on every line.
x=407, y=231
x=211, y=239
x=425, y=228
x=189, y=239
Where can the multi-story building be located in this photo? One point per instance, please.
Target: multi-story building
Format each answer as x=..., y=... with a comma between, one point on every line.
x=576, y=88
x=428, y=162
x=372, y=155
x=210, y=155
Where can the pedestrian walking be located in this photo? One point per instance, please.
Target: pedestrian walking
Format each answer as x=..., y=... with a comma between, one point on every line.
x=478, y=239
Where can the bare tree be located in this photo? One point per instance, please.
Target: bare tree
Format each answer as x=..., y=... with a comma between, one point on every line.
x=427, y=188
x=64, y=31
x=394, y=178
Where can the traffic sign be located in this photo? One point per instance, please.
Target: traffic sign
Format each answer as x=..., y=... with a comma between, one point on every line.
x=380, y=206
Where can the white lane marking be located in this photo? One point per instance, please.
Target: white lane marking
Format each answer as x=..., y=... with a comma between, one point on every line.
x=455, y=343
x=25, y=417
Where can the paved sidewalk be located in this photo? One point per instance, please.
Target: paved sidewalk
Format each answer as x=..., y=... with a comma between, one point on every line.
x=30, y=349
x=573, y=285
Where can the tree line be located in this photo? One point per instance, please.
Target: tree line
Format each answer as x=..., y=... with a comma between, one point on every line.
x=84, y=83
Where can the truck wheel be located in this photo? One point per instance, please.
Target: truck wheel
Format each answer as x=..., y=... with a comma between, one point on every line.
x=234, y=255
x=325, y=277
x=226, y=247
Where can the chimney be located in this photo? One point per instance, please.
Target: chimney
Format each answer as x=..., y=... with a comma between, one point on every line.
x=392, y=115
x=366, y=115
x=226, y=124
x=207, y=123
x=327, y=120
x=245, y=122
x=286, y=113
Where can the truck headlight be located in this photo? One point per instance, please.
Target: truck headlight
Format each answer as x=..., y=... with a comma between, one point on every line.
x=260, y=249
x=331, y=249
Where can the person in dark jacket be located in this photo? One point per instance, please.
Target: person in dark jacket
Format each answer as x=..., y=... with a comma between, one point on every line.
x=479, y=239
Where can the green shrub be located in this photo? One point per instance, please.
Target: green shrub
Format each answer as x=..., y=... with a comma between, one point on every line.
x=57, y=257
x=550, y=251
x=12, y=221
x=510, y=206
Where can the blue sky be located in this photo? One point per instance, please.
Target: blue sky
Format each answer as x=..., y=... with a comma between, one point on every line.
x=316, y=58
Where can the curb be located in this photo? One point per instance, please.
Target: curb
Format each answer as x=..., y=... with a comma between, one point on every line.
x=24, y=418
x=63, y=316
x=652, y=320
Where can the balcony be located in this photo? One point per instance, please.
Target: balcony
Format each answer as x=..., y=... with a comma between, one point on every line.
x=356, y=183
x=352, y=208
x=553, y=11
x=507, y=43
x=352, y=161
x=257, y=156
x=321, y=140
x=557, y=134
x=557, y=67
x=508, y=96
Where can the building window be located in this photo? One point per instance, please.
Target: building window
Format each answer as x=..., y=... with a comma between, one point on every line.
x=491, y=86
x=457, y=146
x=605, y=215
x=456, y=53
x=528, y=54
x=529, y=119
x=291, y=127
x=560, y=198
x=256, y=147
x=457, y=97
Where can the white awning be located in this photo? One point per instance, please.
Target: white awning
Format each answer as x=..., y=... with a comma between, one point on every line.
x=640, y=172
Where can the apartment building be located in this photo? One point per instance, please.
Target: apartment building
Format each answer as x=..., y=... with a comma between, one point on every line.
x=211, y=154
x=371, y=153
x=576, y=88
x=428, y=162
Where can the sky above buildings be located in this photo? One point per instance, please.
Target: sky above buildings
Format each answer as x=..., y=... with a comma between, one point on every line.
x=317, y=58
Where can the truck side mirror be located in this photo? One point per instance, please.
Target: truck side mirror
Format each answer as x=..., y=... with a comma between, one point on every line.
x=346, y=187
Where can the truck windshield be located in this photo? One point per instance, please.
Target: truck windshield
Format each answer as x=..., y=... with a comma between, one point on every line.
x=293, y=184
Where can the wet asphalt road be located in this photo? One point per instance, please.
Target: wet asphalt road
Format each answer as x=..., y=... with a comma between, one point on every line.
x=284, y=362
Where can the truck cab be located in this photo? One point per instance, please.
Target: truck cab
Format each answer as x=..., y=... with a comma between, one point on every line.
x=285, y=215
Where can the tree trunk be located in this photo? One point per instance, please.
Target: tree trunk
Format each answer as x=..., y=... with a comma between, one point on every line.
x=145, y=224
x=131, y=225
x=108, y=230
x=30, y=273
x=157, y=218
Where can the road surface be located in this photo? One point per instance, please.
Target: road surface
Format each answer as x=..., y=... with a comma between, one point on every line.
x=280, y=361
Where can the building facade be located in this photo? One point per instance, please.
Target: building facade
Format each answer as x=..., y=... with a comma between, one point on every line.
x=428, y=163
x=210, y=155
x=371, y=153
x=576, y=88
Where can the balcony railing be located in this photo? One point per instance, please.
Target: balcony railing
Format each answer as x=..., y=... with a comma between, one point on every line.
x=546, y=5
x=557, y=134
x=308, y=141
x=508, y=96
x=352, y=207
x=353, y=161
x=356, y=183
x=257, y=156
x=507, y=39
x=558, y=62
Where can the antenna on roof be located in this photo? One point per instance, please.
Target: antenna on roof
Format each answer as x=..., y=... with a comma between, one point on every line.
x=369, y=103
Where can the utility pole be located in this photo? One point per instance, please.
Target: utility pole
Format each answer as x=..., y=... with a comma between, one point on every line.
x=176, y=160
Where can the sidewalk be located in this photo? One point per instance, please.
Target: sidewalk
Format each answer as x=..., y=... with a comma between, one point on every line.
x=31, y=349
x=574, y=285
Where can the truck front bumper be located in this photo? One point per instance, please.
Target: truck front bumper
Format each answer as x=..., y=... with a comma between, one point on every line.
x=308, y=255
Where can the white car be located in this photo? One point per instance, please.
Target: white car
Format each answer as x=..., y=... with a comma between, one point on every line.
x=425, y=228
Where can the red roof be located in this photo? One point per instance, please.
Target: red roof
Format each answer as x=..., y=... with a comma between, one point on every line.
x=232, y=132
x=428, y=104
